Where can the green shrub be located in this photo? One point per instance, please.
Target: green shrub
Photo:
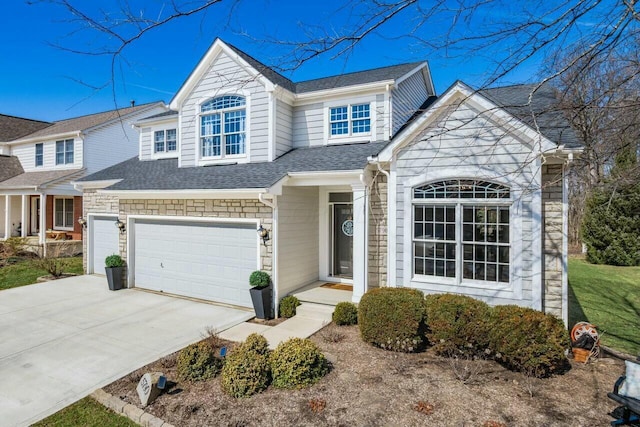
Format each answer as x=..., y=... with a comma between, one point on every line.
x=259, y=279
x=528, y=340
x=198, y=362
x=611, y=225
x=288, y=306
x=297, y=363
x=346, y=313
x=113, y=261
x=457, y=325
x=246, y=370
x=393, y=318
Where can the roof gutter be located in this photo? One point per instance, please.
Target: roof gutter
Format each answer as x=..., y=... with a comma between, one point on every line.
x=242, y=193
x=74, y=134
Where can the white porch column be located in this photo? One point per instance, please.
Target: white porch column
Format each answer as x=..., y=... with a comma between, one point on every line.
x=43, y=219
x=7, y=216
x=360, y=247
x=25, y=216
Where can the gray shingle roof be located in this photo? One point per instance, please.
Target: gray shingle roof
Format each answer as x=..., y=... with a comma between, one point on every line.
x=78, y=124
x=543, y=111
x=9, y=167
x=391, y=72
x=16, y=127
x=165, y=114
x=165, y=174
x=36, y=179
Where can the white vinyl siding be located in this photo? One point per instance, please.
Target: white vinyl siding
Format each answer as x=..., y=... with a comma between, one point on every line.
x=27, y=155
x=298, y=249
x=309, y=125
x=407, y=99
x=284, y=127
x=234, y=81
x=466, y=145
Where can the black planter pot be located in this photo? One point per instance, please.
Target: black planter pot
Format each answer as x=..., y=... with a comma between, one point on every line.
x=114, y=277
x=262, y=302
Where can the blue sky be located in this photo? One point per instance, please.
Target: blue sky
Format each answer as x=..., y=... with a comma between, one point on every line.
x=41, y=81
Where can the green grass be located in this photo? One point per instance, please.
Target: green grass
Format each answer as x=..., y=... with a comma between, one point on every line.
x=86, y=413
x=24, y=272
x=608, y=297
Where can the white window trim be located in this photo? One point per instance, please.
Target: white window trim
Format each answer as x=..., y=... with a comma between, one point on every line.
x=164, y=154
x=56, y=227
x=35, y=156
x=351, y=138
x=488, y=290
x=55, y=152
x=234, y=158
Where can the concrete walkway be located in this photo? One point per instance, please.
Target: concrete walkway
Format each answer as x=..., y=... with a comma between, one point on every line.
x=309, y=319
x=61, y=340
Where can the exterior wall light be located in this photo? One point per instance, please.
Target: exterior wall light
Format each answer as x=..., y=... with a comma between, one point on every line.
x=120, y=226
x=263, y=233
x=82, y=222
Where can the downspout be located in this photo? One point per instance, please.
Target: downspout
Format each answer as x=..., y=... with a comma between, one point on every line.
x=388, y=216
x=274, y=248
x=366, y=232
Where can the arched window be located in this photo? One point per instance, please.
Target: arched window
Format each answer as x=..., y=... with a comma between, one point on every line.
x=222, y=126
x=461, y=231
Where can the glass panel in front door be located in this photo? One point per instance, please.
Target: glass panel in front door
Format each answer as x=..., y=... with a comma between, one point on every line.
x=343, y=240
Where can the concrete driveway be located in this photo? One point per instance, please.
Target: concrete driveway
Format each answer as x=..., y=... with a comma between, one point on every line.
x=61, y=340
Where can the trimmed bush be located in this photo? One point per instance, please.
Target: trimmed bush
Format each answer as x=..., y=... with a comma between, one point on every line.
x=297, y=363
x=346, y=313
x=246, y=370
x=259, y=279
x=393, y=318
x=457, y=325
x=113, y=261
x=198, y=362
x=528, y=340
x=288, y=306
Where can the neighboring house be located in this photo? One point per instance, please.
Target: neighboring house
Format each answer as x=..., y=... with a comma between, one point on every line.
x=38, y=160
x=365, y=179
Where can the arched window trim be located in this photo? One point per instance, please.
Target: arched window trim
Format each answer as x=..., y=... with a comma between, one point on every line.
x=223, y=127
x=461, y=189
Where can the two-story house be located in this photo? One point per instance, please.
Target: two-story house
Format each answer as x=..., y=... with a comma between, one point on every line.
x=40, y=159
x=353, y=181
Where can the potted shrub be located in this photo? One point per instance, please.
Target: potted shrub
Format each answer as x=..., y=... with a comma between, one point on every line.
x=261, y=296
x=113, y=266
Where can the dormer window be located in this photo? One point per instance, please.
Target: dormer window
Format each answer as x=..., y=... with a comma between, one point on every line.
x=222, y=127
x=164, y=141
x=347, y=120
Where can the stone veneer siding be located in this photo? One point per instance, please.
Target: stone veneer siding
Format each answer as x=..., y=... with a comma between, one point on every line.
x=211, y=208
x=552, y=232
x=377, y=274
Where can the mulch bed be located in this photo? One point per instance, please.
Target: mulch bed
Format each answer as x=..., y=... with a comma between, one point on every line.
x=372, y=387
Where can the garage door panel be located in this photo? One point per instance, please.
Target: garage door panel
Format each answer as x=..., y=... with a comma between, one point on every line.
x=105, y=241
x=204, y=260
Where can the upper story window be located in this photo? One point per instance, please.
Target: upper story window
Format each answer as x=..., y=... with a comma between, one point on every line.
x=164, y=141
x=348, y=120
x=39, y=154
x=222, y=127
x=64, y=152
x=461, y=231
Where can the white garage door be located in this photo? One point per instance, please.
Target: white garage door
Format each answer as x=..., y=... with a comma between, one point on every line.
x=203, y=260
x=105, y=241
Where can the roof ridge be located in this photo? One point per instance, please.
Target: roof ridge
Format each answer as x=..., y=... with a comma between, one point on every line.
x=243, y=53
x=106, y=111
x=361, y=71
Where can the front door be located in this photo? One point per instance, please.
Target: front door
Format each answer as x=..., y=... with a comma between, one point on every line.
x=342, y=240
x=35, y=215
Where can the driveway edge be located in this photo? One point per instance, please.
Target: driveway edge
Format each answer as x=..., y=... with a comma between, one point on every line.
x=128, y=410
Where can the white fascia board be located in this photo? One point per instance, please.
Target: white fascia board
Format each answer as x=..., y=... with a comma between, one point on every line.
x=156, y=121
x=240, y=193
x=30, y=189
x=324, y=178
x=412, y=72
x=63, y=135
x=354, y=90
x=91, y=185
x=216, y=48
